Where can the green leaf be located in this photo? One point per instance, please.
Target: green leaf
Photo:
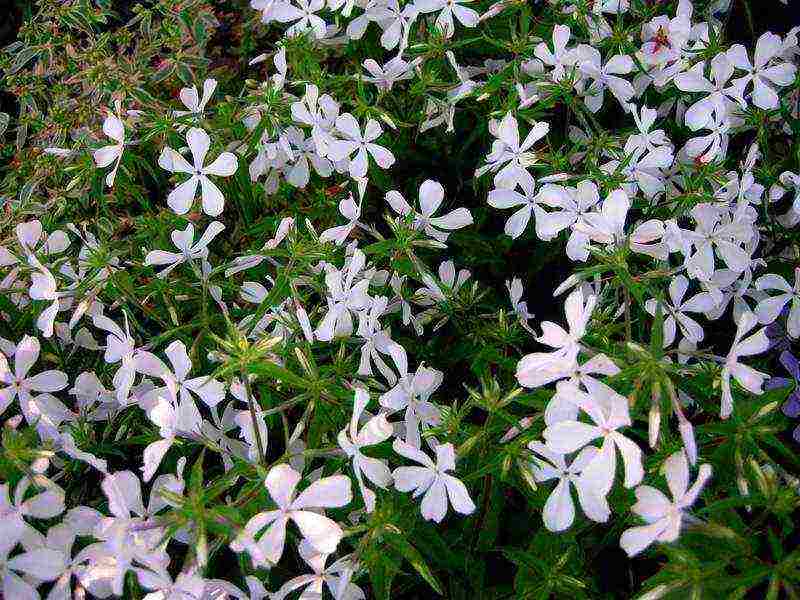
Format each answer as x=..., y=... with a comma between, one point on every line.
x=416, y=560
x=23, y=58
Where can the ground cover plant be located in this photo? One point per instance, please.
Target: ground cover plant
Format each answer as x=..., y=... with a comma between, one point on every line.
x=379, y=299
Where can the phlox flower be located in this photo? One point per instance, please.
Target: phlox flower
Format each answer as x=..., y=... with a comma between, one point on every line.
x=609, y=412
x=540, y=368
x=559, y=509
x=748, y=377
x=180, y=199
x=664, y=516
x=362, y=145
x=352, y=439
x=431, y=196
x=432, y=481
x=322, y=533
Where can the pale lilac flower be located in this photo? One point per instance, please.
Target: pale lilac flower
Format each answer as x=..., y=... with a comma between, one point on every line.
x=431, y=196
x=181, y=198
x=559, y=58
x=345, y=295
x=350, y=211
x=674, y=312
x=693, y=80
x=111, y=154
x=46, y=504
x=375, y=431
x=762, y=76
x=573, y=204
x=302, y=16
x=609, y=412
x=432, y=481
x=664, y=517
x=20, y=574
x=322, y=533
x=448, y=9
x=195, y=105
x=608, y=227
x=770, y=307
x=190, y=250
x=711, y=234
x=540, y=368
x=434, y=293
x=360, y=144
x=319, y=113
x=384, y=77
x=509, y=158
x=32, y=239
x=336, y=577
x=559, y=510
x=17, y=382
x=377, y=341
x=120, y=347
x=605, y=76
x=411, y=394
x=748, y=377
x=786, y=181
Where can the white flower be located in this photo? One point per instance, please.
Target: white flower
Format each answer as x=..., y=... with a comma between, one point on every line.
x=432, y=481
x=181, y=198
x=693, y=80
x=508, y=158
x=191, y=100
x=510, y=198
x=412, y=393
x=559, y=510
x=344, y=295
x=714, y=145
x=32, y=239
x=302, y=15
x=360, y=144
x=375, y=431
x=664, y=517
x=189, y=249
x=609, y=411
x=322, y=533
x=447, y=10
x=675, y=313
x=384, y=77
x=605, y=76
x=712, y=233
x=770, y=307
x=187, y=586
x=17, y=382
x=120, y=347
x=762, y=76
x=319, y=113
x=559, y=58
x=350, y=211
x=20, y=574
x=608, y=227
x=335, y=577
x=540, y=368
x=431, y=196
x=786, y=181
x=103, y=157
x=46, y=504
x=748, y=377
x=573, y=204
x=377, y=341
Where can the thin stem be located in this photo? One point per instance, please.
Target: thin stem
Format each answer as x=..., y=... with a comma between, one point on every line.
x=251, y=405
x=628, y=331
